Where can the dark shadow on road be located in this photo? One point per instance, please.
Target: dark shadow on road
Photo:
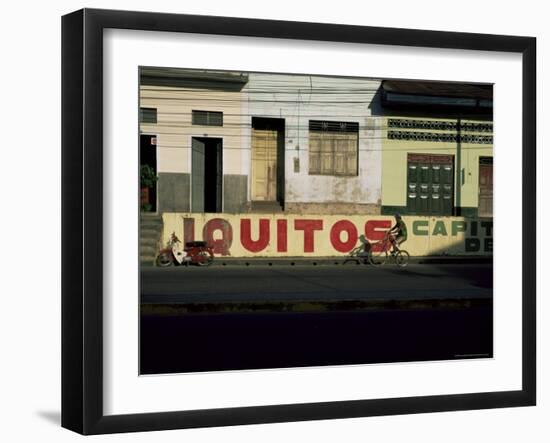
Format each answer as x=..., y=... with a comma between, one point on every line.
x=236, y=341
x=480, y=276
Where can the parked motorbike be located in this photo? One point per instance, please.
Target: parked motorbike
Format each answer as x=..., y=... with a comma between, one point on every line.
x=195, y=252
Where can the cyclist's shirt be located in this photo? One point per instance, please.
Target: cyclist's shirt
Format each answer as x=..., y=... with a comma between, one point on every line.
x=401, y=229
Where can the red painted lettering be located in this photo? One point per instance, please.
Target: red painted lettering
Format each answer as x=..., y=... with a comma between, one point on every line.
x=223, y=244
x=246, y=235
x=282, y=235
x=375, y=231
x=309, y=227
x=336, y=236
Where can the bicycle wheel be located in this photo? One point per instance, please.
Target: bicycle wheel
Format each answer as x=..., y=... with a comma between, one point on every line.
x=355, y=256
x=402, y=258
x=377, y=258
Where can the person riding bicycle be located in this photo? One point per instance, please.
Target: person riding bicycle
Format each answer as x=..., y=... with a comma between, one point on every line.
x=365, y=245
x=399, y=233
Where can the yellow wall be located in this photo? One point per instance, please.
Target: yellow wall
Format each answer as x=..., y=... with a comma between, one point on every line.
x=394, y=164
x=427, y=235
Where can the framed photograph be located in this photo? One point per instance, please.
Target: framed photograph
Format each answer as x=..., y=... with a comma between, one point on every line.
x=270, y=221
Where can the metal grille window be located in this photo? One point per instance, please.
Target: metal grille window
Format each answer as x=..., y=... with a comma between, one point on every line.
x=439, y=125
x=440, y=137
x=207, y=118
x=333, y=148
x=147, y=115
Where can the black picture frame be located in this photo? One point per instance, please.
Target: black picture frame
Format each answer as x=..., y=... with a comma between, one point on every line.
x=82, y=261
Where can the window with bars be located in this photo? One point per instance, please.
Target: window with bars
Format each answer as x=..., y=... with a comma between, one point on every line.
x=207, y=118
x=147, y=115
x=333, y=148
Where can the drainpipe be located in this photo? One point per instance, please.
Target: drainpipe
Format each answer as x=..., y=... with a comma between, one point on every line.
x=458, y=180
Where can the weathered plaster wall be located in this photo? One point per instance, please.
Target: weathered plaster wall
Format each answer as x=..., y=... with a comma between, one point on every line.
x=273, y=235
x=299, y=99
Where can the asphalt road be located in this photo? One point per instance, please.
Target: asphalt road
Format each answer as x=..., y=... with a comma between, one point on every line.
x=237, y=317
x=328, y=282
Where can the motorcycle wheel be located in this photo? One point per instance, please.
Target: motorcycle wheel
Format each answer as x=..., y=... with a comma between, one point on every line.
x=163, y=260
x=204, y=258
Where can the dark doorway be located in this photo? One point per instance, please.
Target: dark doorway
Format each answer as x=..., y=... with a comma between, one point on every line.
x=206, y=174
x=148, y=157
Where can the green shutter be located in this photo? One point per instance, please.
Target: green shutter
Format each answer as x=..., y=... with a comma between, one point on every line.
x=207, y=118
x=430, y=184
x=147, y=115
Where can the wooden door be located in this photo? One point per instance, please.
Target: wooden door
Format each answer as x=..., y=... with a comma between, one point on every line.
x=264, y=165
x=485, y=206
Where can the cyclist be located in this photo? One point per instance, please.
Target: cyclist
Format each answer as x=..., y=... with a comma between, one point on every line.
x=398, y=232
x=365, y=245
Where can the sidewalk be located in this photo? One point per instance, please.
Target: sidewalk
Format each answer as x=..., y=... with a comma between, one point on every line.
x=338, y=261
x=341, y=260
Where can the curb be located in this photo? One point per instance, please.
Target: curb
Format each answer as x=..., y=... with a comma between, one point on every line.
x=335, y=261
x=324, y=261
x=239, y=307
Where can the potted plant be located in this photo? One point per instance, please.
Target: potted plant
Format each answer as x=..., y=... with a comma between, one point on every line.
x=148, y=178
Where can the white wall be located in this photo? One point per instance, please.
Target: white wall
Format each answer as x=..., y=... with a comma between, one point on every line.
x=174, y=130
x=300, y=99
x=30, y=321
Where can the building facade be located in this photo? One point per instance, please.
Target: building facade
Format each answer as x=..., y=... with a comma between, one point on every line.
x=191, y=135
x=269, y=164
x=236, y=143
x=437, y=149
x=314, y=147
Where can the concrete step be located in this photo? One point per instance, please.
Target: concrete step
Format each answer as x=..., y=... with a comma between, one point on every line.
x=150, y=215
x=148, y=251
x=150, y=218
x=150, y=229
x=149, y=232
x=150, y=239
x=150, y=225
x=149, y=246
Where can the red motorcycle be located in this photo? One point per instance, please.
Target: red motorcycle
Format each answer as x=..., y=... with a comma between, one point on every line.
x=195, y=252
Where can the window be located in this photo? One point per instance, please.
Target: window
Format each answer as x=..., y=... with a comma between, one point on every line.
x=207, y=118
x=147, y=115
x=333, y=148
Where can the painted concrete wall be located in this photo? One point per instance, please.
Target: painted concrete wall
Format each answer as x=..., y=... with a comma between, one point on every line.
x=394, y=164
x=300, y=98
x=273, y=235
x=174, y=130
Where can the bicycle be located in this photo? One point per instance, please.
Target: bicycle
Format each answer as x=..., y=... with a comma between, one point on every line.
x=379, y=252
x=357, y=255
